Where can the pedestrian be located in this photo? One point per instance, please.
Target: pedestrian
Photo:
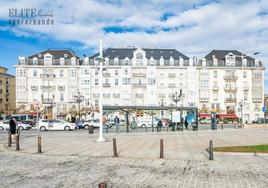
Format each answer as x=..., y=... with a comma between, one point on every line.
x=117, y=123
x=133, y=124
x=159, y=125
x=13, y=127
x=186, y=123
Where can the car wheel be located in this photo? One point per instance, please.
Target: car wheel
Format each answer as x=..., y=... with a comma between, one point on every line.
x=21, y=128
x=43, y=128
x=67, y=128
x=1, y=128
x=86, y=127
x=143, y=125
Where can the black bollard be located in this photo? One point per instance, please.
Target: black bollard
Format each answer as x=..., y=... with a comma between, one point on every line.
x=9, y=139
x=17, y=142
x=161, y=149
x=39, y=146
x=114, y=147
x=211, y=150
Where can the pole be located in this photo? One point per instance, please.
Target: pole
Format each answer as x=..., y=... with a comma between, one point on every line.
x=161, y=149
x=9, y=139
x=101, y=139
x=79, y=114
x=114, y=147
x=211, y=150
x=17, y=142
x=242, y=107
x=39, y=148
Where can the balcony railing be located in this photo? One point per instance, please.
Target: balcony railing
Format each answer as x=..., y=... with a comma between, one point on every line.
x=203, y=99
x=96, y=95
x=215, y=88
x=162, y=96
x=47, y=75
x=139, y=74
x=230, y=77
x=257, y=100
x=106, y=74
x=116, y=95
x=139, y=85
x=230, y=88
x=246, y=88
x=47, y=100
x=171, y=85
x=48, y=88
x=172, y=75
x=230, y=100
x=139, y=95
x=106, y=95
x=106, y=85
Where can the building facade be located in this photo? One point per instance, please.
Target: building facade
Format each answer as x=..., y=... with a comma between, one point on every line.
x=220, y=81
x=7, y=92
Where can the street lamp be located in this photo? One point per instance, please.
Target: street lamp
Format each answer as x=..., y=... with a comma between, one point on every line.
x=177, y=97
x=100, y=59
x=242, y=103
x=162, y=103
x=78, y=99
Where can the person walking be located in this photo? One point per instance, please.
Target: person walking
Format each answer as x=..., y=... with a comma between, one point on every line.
x=186, y=123
x=117, y=123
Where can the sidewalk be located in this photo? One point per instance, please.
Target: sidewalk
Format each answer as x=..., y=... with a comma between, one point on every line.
x=177, y=145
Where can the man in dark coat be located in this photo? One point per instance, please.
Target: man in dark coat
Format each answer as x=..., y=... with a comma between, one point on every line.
x=12, y=126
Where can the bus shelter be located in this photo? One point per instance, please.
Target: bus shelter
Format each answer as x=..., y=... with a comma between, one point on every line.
x=128, y=109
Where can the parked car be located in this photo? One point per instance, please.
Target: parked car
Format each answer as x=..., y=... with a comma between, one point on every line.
x=4, y=125
x=96, y=124
x=55, y=124
x=205, y=121
x=260, y=120
x=147, y=122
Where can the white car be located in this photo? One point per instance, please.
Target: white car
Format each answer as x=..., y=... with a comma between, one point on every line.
x=146, y=122
x=4, y=125
x=55, y=124
x=95, y=123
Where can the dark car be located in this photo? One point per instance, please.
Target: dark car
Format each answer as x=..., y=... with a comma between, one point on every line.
x=260, y=120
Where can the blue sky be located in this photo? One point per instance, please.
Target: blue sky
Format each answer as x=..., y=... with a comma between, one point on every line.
x=193, y=27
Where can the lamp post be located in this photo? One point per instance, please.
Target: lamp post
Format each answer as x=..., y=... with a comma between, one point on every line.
x=177, y=97
x=242, y=103
x=78, y=99
x=162, y=104
x=100, y=59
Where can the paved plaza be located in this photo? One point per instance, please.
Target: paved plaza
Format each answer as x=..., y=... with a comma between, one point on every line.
x=75, y=159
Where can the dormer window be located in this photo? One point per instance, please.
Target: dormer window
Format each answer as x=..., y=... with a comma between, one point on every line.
x=39, y=55
x=244, y=62
x=22, y=60
x=65, y=55
x=73, y=61
x=61, y=61
x=126, y=61
x=151, y=61
x=106, y=61
x=171, y=61
x=181, y=61
x=86, y=61
x=230, y=59
x=161, y=61
x=35, y=61
x=116, y=61
x=47, y=59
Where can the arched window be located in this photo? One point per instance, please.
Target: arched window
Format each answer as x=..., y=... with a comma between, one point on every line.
x=106, y=61
x=171, y=61
x=151, y=62
x=116, y=61
x=139, y=59
x=48, y=59
x=139, y=56
x=22, y=60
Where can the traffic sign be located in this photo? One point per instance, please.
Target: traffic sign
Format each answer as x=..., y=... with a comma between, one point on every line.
x=264, y=109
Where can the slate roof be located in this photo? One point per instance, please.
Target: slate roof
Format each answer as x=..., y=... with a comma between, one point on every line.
x=6, y=75
x=56, y=53
x=122, y=53
x=220, y=55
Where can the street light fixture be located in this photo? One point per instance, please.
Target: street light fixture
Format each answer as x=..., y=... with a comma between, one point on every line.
x=177, y=97
x=162, y=103
x=100, y=59
x=78, y=99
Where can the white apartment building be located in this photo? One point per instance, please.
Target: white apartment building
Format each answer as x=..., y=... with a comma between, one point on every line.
x=143, y=76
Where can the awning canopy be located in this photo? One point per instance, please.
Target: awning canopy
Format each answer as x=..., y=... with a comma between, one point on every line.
x=205, y=115
x=227, y=116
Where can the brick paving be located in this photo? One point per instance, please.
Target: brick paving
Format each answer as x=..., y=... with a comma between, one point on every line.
x=74, y=159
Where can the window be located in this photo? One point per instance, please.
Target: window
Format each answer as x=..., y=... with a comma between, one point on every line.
x=116, y=72
x=126, y=71
x=61, y=97
x=96, y=82
x=139, y=59
x=48, y=60
x=215, y=84
x=215, y=74
x=116, y=82
x=61, y=73
x=245, y=74
x=34, y=73
x=96, y=102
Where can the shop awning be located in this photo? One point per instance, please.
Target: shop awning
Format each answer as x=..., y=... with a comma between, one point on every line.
x=227, y=116
x=205, y=115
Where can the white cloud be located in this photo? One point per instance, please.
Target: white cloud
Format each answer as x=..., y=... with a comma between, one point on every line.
x=192, y=30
